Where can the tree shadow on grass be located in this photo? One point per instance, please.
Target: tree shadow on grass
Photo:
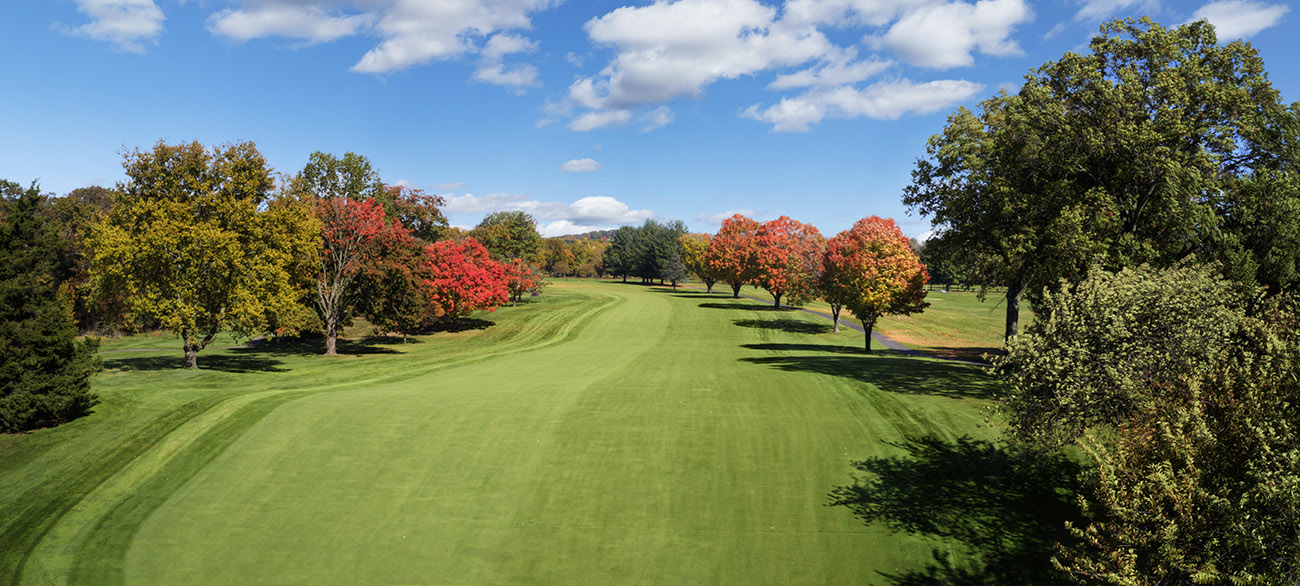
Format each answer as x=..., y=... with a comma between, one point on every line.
x=833, y=349
x=889, y=371
x=236, y=363
x=1006, y=505
x=793, y=326
x=745, y=306
x=979, y=354
x=463, y=324
x=309, y=347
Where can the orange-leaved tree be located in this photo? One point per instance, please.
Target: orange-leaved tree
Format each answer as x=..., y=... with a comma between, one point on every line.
x=731, y=253
x=872, y=270
x=463, y=278
x=789, y=258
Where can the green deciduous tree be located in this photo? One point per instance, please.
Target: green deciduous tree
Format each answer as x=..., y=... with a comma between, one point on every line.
x=508, y=235
x=1135, y=152
x=192, y=243
x=44, y=369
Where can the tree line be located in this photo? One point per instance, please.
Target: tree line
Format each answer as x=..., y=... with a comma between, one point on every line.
x=201, y=240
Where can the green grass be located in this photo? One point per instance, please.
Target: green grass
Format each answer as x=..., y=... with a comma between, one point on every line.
x=603, y=433
x=955, y=325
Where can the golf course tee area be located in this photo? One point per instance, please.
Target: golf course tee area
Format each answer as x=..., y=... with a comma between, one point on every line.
x=603, y=433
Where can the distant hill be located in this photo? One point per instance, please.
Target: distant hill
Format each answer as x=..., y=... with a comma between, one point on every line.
x=594, y=235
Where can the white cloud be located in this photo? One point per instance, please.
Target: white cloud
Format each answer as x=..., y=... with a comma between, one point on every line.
x=883, y=100
x=492, y=70
x=716, y=219
x=674, y=49
x=1094, y=10
x=657, y=118
x=452, y=186
x=416, y=31
x=841, y=68
x=127, y=24
x=848, y=12
x=1054, y=31
x=600, y=119
x=555, y=218
x=581, y=165
x=310, y=23
x=409, y=32
x=516, y=77
x=1239, y=19
x=943, y=36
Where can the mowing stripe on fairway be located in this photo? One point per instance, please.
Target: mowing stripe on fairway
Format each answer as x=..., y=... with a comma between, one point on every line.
x=611, y=434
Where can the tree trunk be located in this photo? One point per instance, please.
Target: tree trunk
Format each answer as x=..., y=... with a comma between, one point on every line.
x=624, y=278
x=708, y=285
x=835, y=317
x=867, y=326
x=776, y=300
x=1014, y=290
x=191, y=354
x=331, y=336
x=735, y=290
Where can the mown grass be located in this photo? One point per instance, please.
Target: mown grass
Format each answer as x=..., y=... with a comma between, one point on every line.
x=604, y=433
x=957, y=324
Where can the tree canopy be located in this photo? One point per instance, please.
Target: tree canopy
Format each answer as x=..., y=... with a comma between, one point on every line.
x=191, y=242
x=872, y=270
x=1134, y=152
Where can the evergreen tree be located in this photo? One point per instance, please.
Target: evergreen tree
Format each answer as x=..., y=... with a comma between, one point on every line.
x=44, y=370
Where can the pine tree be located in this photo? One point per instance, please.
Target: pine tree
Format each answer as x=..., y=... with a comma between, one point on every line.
x=44, y=370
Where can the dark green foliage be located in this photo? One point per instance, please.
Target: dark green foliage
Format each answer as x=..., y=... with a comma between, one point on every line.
x=44, y=369
x=1155, y=145
x=509, y=235
x=1101, y=349
x=1187, y=400
x=1202, y=485
x=348, y=177
x=652, y=251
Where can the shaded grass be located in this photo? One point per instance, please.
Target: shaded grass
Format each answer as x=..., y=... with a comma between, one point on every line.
x=956, y=325
x=1006, y=506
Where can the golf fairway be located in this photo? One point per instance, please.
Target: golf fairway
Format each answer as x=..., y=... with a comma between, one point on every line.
x=604, y=433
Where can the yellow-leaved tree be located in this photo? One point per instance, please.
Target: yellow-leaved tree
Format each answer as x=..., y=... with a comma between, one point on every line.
x=197, y=243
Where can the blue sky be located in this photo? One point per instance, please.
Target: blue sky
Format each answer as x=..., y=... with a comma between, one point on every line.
x=586, y=114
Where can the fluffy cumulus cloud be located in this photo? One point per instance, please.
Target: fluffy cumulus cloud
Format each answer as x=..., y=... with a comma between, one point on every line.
x=309, y=23
x=945, y=35
x=581, y=165
x=554, y=218
x=1237, y=19
x=883, y=100
x=127, y=24
x=409, y=32
x=672, y=50
x=1096, y=10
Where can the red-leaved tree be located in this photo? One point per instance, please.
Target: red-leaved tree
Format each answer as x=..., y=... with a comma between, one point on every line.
x=732, y=254
x=522, y=277
x=872, y=270
x=789, y=257
x=354, y=235
x=463, y=278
